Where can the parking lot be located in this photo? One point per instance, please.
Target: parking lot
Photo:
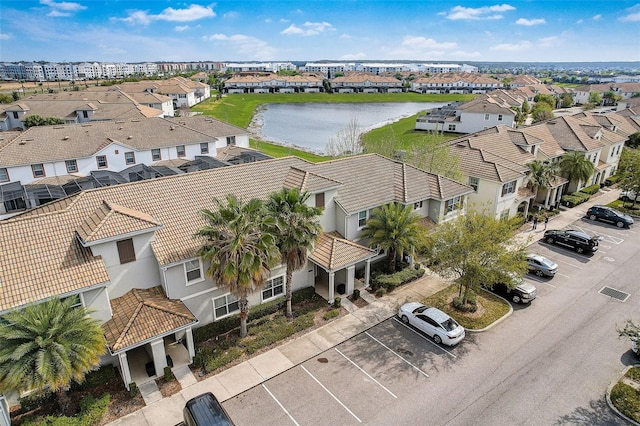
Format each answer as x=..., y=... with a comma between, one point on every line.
x=348, y=383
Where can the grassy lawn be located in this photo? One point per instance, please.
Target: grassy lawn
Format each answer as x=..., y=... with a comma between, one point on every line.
x=238, y=109
x=625, y=398
x=627, y=207
x=490, y=308
x=278, y=151
x=403, y=135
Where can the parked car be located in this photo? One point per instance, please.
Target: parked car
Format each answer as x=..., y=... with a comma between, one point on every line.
x=205, y=410
x=518, y=291
x=628, y=195
x=576, y=240
x=541, y=266
x=611, y=215
x=432, y=321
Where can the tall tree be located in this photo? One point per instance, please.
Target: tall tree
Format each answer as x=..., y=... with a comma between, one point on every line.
x=298, y=229
x=47, y=346
x=239, y=248
x=541, y=174
x=476, y=249
x=576, y=167
x=629, y=171
x=393, y=228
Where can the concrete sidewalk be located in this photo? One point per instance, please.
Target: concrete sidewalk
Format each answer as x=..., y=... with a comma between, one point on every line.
x=253, y=372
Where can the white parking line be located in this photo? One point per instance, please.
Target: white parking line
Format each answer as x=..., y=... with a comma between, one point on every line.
x=396, y=354
x=368, y=375
x=423, y=337
x=567, y=263
x=281, y=406
x=332, y=395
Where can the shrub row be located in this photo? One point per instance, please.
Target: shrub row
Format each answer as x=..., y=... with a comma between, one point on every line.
x=391, y=281
x=593, y=189
x=611, y=180
x=574, y=199
x=93, y=379
x=91, y=412
x=229, y=323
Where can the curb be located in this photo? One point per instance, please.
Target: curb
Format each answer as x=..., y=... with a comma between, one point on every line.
x=608, y=396
x=496, y=322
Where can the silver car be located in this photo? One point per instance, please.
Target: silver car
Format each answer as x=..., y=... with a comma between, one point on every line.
x=541, y=266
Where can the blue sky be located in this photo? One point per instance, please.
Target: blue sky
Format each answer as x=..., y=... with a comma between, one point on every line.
x=252, y=30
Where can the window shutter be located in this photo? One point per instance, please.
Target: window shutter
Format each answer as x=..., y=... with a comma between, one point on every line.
x=125, y=251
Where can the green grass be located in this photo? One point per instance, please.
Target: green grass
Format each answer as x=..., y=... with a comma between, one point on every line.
x=403, y=135
x=238, y=109
x=626, y=399
x=278, y=151
x=494, y=307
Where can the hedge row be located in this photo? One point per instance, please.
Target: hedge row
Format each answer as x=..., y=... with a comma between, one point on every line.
x=593, y=189
x=91, y=412
x=229, y=323
x=611, y=180
x=574, y=199
x=391, y=281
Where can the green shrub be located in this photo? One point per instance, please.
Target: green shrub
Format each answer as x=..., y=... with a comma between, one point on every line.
x=593, y=189
x=356, y=294
x=168, y=374
x=381, y=292
x=389, y=282
x=574, y=199
x=516, y=222
x=218, y=358
x=470, y=306
x=35, y=400
x=337, y=302
x=91, y=412
x=611, y=180
x=331, y=314
x=133, y=389
x=93, y=379
x=633, y=373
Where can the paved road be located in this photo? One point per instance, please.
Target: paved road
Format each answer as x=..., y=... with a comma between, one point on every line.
x=549, y=363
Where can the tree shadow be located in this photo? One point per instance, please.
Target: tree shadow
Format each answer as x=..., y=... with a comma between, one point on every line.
x=597, y=413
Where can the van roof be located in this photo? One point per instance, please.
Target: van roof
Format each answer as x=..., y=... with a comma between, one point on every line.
x=207, y=411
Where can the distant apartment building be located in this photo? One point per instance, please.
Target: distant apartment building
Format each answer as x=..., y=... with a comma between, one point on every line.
x=274, y=67
x=329, y=70
x=35, y=71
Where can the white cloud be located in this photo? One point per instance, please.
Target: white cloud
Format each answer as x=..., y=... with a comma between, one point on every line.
x=530, y=22
x=247, y=47
x=6, y=36
x=345, y=36
x=465, y=55
x=180, y=28
x=231, y=15
x=547, y=41
x=353, y=56
x=284, y=21
x=66, y=6
x=597, y=17
x=417, y=47
x=268, y=21
x=57, y=14
x=486, y=12
x=192, y=13
x=308, y=29
x=513, y=47
x=633, y=14
x=579, y=21
x=421, y=43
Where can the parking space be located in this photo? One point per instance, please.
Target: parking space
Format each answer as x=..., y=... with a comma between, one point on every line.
x=342, y=385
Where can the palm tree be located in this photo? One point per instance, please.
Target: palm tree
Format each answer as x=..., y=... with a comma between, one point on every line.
x=239, y=248
x=541, y=174
x=298, y=230
x=576, y=167
x=46, y=346
x=393, y=228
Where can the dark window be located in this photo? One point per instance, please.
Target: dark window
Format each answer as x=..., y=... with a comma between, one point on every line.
x=72, y=166
x=180, y=150
x=130, y=157
x=155, y=155
x=204, y=148
x=320, y=200
x=4, y=175
x=15, y=115
x=102, y=161
x=192, y=268
x=509, y=188
x=85, y=114
x=38, y=170
x=273, y=288
x=474, y=182
x=125, y=251
x=231, y=140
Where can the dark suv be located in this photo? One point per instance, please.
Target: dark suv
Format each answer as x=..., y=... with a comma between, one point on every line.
x=607, y=214
x=576, y=240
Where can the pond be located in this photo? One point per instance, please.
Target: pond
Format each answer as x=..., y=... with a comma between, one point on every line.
x=311, y=126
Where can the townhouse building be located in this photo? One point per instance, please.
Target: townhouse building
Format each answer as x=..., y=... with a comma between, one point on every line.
x=85, y=106
x=492, y=109
x=128, y=252
x=274, y=83
x=45, y=163
x=463, y=83
x=183, y=92
x=622, y=90
x=365, y=82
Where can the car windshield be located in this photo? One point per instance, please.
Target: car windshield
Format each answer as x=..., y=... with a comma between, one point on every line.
x=547, y=262
x=449, y=324
x=419, y=310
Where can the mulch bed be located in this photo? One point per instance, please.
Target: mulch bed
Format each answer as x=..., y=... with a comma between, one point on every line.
x=359, y=302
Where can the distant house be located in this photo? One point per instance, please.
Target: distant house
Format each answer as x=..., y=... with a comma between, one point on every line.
x=463, y=83
x=363, y=82
x=45, y=163
x=274, y=83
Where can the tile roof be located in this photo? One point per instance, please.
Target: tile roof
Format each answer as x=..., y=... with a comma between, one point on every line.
x=111, y=221
x=44, y=144
x=33, y=267
x=142, y=314
x=574, y=134
x=333, y=252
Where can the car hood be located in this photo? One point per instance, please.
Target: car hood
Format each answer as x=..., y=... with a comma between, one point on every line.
x=526, y=287
x=411, y=306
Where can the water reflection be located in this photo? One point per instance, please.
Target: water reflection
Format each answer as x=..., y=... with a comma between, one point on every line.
x=312, y=125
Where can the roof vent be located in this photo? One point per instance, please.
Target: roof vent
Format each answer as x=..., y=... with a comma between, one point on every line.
x=65, y=138
x=22, y=143
x=172, y=128
x=129, y=137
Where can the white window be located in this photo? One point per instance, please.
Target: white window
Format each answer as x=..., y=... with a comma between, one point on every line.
x=193, y=271
x=452, y=205
x=129, y=157
x=509, y=188
x=180, y=150
x=156, y=155
x=231, y=140
x=273, y=288
x=504, y=214
x=204, y=148
x=452, y=127
x=38, y=170
x=101, y=160
x=362, y=218
x=474, y=182
x=72, y=166
x=486, y=116
x=4, y=175
x=225, y=305
x=77, y=302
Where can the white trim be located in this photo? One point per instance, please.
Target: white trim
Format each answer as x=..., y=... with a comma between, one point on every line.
x=275, y=296
x=186, y=278
x=213, y=302
x=200, y=293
